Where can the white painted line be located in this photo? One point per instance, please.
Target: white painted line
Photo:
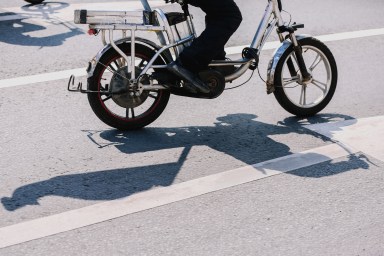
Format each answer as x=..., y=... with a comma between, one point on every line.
x=66, y=221
x=324, y=38
x=366, y=134
x=352, y=35
x=230, y=50
x=26, y=80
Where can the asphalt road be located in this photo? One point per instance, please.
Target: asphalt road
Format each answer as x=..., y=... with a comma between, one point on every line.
x=56, y=156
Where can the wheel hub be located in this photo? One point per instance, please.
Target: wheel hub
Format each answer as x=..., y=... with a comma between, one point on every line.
x=303, y=81
x=124, y=93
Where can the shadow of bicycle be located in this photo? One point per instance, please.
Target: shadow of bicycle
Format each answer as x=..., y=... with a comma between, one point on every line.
x=17, y=31
x=240, y=136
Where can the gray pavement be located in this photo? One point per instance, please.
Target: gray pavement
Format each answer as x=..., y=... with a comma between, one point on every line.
x=319, y=210
x=57, y=156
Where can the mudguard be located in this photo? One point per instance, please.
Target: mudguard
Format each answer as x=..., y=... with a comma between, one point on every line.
x=275, y=59
x=92, y=64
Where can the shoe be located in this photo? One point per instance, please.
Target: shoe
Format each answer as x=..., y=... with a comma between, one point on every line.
x=165, y=77
x=176, y=68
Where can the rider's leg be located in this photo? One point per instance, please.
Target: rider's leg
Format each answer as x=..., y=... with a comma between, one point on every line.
x=223, y=17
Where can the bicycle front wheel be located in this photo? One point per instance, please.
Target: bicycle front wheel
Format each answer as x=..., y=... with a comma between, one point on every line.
x=300, y=98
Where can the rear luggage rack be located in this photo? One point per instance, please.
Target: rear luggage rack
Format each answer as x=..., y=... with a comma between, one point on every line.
x=118, y=20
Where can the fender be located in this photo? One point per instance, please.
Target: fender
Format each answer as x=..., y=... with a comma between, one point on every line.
x=275, y=59
x=92, y=64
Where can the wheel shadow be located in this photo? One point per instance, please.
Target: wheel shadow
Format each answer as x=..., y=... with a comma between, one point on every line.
x=16, y=31
x=240, y=136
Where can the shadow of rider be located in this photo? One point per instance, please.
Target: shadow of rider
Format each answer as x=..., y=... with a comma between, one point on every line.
x=237, y=135
x=18, y=35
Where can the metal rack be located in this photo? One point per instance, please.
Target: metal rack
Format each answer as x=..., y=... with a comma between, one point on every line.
x=132, y=21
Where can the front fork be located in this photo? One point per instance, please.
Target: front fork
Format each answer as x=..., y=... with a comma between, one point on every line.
x=306, y=76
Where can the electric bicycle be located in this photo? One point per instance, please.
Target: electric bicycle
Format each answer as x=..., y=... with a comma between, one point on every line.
x=128, y=85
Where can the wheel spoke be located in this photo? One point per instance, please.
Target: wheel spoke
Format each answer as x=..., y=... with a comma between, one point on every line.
x=152, y=96
x=320, y=85
x=133, y=112
x=129, y=112
x=103, y=87
x=113, y=69
x=107, y=98
x=287, y=81
x=316, y=62
x=303, y=95
x=141, y=64
x=118, y=63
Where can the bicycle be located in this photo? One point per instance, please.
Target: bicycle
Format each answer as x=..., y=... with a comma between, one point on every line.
x=128, y=86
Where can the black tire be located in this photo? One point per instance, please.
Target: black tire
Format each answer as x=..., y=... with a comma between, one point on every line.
x=34, y=1
x=328, y=72
x=107, y=108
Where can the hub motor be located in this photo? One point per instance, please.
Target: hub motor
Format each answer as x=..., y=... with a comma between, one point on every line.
x=123, y=92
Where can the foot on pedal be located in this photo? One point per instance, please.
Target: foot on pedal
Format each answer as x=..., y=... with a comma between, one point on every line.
x=177, y=69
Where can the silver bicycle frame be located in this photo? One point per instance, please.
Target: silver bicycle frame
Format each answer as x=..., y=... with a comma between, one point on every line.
x=271, y=18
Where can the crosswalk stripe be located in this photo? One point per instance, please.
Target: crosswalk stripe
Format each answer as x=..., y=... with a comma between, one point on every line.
x=363, y=134
x=66, y=221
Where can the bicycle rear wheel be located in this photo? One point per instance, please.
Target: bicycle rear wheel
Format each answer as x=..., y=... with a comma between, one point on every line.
x=124, y=111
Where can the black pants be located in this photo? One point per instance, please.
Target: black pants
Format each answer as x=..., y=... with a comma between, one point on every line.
x=222, y=19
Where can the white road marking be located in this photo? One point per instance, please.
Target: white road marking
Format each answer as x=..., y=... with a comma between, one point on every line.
x=366, y=134
x=40, y=78
x=27, y=80
x=66, y=221
x=324, y=38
